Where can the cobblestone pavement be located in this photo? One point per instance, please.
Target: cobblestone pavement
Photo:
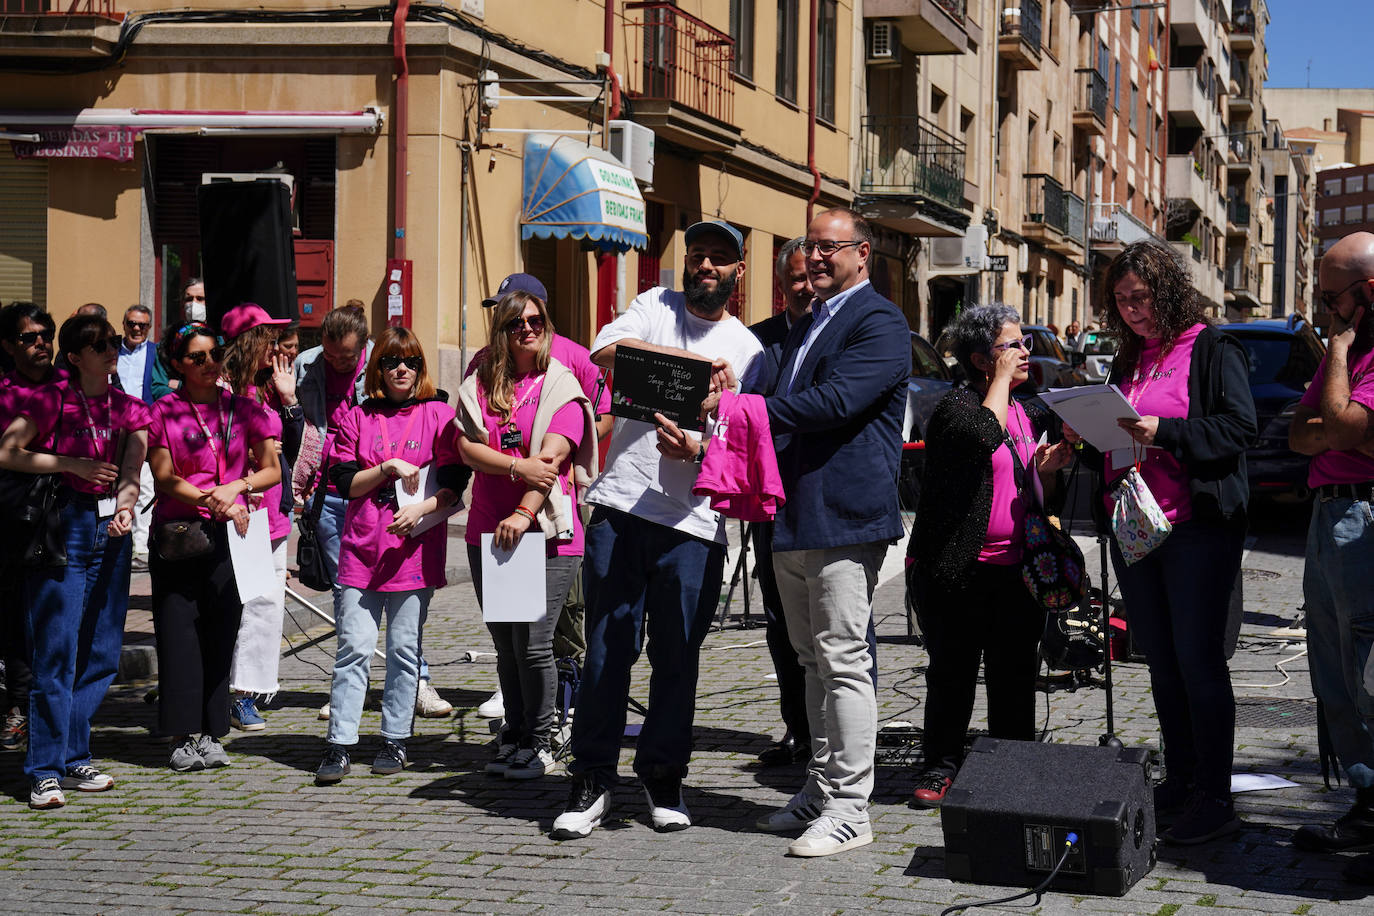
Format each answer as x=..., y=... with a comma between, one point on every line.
x=260, y=837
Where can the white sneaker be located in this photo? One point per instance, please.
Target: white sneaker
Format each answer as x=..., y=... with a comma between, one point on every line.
x=529, y=763
x=46, y=793
x=86, y=778
x=798, y=814
x=494, y=707
x=666, y=808
x=324, y=713
x=828, y=835
x=504, y=753
x=588, y=805
x=429, y=704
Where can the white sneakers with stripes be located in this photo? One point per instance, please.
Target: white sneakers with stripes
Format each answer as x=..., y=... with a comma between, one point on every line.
x=828, y=835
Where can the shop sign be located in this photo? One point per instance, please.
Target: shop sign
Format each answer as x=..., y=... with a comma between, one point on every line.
x=103, y=142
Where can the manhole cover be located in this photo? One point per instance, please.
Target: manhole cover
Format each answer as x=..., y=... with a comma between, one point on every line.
x=1258, y=575
x=1258, y=712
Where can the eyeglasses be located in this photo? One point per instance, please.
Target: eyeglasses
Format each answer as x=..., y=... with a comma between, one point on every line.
x=1023, y=343
x=137, y=325
x=826, y=247
x=29, y=338
x=198, y=358
x=105, y=343
x=1329, y=299
x=391, y=363
x=517, y=325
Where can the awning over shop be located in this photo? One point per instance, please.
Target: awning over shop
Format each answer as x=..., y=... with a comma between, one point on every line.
x=577, y=191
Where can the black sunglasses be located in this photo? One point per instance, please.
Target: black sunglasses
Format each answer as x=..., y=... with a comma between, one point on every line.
x=390, y=363
x=29, y=338
x=517, y=325
x=100, y=346
x=198, y=358
x=1329, y=299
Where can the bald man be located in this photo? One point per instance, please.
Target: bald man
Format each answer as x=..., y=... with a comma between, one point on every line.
x=1335, y=425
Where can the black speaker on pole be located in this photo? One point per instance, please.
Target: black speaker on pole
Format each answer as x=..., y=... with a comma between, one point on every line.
x=1007, y=815
x=246, y=246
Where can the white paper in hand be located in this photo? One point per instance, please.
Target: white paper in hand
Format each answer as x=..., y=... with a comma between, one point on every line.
x=429, y=485
x=1092, y=411
x=251, y=556
x=513, y=580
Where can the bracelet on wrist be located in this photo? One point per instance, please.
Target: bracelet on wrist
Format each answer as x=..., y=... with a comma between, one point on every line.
x=248, y=486
x=513, y=475
x=525, y=511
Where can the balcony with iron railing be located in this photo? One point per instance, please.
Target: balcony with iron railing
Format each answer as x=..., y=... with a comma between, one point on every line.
x=1237, y=216
x=1242, y=100
x=1243, y=26
x=1076, y=230
x=906, y=154
x=1046, y=216
x=54, y=28
x=1090, y=102
x=927, y=26
x=1242, y=283
x=1240, y=153
x=1019, y=34
x=678, y=74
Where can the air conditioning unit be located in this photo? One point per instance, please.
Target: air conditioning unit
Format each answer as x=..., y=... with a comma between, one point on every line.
x=284, y=177
x=883, y=45
x=633, y=144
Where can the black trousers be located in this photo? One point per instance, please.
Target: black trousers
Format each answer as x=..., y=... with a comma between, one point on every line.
x=989, y=618
x=196, y=611
x=14, y=642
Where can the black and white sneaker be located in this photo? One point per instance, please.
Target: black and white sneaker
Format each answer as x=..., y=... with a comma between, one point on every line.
x=334, y=766
x=588, y=805
x=46, y=793
x=829, y=835
x=797, y=814
x=86, y=778
x=666, y=808
x=390, y=759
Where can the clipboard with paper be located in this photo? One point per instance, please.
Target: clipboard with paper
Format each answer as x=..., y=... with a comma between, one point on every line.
x=1092, y=411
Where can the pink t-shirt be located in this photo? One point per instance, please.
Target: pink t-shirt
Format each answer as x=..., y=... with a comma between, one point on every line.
x=1006, y=522
x=578, y=359
x=495, y=496
x=369, y=557
x=70, y=423
x=15, y=389
x=278, y=522
x=1159, y=388
x=1346, y=465
x=181, y=426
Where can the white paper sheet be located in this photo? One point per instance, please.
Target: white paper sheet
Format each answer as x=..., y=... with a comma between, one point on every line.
x=429, y=485
x=513, y=581
x=251, y=556
x=1092, y=411
x=1256, y=782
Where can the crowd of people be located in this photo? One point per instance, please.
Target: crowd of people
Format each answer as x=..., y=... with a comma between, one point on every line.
x=159, y=454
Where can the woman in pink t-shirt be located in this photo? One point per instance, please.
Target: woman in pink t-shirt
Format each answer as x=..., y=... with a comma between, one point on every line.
x=1189, y=383
x=255, y=368
x=96, y=437
x=210, y=451
x=391, y=557
x=525, y=417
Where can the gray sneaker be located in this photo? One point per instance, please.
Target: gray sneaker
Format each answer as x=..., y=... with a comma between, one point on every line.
x=212, y=752
x=186, y=756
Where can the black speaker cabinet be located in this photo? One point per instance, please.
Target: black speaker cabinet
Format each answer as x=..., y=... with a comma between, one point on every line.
x=1007, y=814
x=246, y=247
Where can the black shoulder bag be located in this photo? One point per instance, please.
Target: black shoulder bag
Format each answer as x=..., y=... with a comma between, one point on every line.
x=313, y=572
x=33, y=503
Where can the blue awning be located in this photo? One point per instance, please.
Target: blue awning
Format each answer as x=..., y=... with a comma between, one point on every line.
x=577, y=191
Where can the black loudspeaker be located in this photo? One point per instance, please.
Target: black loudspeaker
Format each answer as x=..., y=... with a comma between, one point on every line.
x=246, y=247
x=1011, y=807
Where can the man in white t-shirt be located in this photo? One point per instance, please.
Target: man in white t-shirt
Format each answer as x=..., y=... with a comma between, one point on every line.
x=655, y=553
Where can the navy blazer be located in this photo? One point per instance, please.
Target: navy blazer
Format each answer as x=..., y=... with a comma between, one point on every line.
x=772, y=333
x=838, y=432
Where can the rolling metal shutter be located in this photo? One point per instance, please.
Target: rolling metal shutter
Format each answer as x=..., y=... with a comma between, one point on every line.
x=23, y=228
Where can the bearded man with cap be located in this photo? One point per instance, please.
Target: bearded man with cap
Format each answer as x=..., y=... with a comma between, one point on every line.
x=655, y=553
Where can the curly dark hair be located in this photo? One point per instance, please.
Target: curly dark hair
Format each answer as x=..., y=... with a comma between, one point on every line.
x=1176, y=305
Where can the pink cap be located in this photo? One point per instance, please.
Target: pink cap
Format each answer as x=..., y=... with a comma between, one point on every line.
x=245, y=316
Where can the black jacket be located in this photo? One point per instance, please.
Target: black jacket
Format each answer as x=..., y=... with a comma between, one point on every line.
x=956, y=492
x=1210, y=442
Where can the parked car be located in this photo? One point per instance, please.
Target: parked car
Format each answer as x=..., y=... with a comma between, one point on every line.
x=930, y=378
x=1093, y=353
x=1050, y=365
x=1283, y=355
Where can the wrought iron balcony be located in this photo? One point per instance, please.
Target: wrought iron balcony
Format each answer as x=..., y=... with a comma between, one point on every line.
x=1019, y=35
x=1237, y=213
x=58, y=28
x=1045, y=204
x=680, y=62
x=1090, y=102
x=906, y=154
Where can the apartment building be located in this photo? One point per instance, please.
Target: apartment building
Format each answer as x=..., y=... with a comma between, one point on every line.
x=1337, y=125
x=1247, y=223
x=1345, y=203
x=462, y=140
x=1286, y=256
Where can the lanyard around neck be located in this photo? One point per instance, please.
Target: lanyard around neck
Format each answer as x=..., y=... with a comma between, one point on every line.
x=221, y=458
x=396, y=449
x=98, y=450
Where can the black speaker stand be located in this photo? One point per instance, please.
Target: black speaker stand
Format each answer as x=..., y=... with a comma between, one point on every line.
x=1109, y=738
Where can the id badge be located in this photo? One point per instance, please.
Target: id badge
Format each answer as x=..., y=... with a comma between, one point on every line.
x=105, y=506
x=511, y=438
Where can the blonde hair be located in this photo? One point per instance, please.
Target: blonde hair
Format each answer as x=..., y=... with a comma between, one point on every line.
x=497, y=373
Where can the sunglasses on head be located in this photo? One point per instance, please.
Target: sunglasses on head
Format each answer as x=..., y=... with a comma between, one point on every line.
x=29, y=338
x=111, y=343
x=198, y=358
x=517, y=325
x=390, y=363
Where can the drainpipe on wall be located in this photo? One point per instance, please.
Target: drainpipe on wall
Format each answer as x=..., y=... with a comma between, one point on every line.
x=400, y=127
x=811, y=117
x=610, y=111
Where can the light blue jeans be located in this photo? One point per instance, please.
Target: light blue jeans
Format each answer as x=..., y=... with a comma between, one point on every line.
x=360, y=617
x=1338, y=589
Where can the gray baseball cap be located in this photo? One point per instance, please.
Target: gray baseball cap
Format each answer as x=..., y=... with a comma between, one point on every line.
x=718, y=227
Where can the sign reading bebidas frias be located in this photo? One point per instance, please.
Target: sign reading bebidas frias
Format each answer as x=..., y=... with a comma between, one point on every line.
x=116, y=143
x=647, y=383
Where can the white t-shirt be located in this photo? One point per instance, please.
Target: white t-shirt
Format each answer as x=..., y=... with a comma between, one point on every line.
x=638, y=479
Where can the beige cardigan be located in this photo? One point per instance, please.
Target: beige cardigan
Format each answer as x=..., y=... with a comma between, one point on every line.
x=560, y=387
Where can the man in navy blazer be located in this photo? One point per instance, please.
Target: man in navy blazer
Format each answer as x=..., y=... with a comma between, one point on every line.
x=836, y=416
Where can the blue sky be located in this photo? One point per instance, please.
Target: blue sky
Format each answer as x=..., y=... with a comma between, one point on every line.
x=1337, y=36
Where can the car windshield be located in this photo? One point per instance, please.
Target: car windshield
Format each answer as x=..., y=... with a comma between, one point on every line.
x=1043, y=343
x=1100, y=343
x=925, y=362
x=1279, y=359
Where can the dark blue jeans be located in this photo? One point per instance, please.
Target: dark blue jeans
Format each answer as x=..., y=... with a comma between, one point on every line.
x=1177, y=599
x=642, y=579
x=76, y=628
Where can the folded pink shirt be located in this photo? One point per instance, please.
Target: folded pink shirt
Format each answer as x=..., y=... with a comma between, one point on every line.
x=740, y=470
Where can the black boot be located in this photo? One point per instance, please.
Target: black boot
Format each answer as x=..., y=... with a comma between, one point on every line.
x=1352, y=832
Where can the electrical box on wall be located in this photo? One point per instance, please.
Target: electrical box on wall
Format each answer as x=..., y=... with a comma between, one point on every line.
x=633, y=145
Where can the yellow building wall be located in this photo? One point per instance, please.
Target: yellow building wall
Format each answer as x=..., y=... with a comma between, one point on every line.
x=93, y=232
